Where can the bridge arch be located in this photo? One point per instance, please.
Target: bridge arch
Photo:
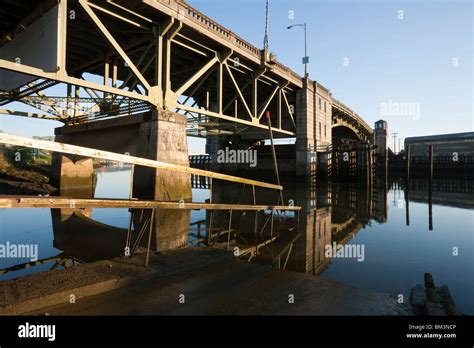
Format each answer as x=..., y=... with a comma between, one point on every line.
x=344, y=132
x=344, y=117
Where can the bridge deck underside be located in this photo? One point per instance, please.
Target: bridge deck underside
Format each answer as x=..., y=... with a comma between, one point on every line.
x=222, y=89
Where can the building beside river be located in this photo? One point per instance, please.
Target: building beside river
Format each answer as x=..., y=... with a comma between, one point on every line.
x=443, y=144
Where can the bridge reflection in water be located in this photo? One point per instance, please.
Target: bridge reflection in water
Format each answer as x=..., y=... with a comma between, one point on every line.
x=331, y=213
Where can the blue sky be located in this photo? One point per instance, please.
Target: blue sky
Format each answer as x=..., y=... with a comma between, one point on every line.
x=407, y=60
x=393, y=57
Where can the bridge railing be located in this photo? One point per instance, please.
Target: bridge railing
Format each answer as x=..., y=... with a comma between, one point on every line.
x=183, y=9
x=351, y=112
x=200, y=161
x=287, y=70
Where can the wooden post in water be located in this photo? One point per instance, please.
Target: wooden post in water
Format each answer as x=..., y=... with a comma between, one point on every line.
x=430, y=187
x=407, y=184
x=407, y=164
x=363, y=167
x=369, y=161
x=407, y=207
x=430, y=163
x=199, y=230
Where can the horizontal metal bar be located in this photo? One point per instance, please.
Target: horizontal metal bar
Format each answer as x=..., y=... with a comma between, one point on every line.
x=29, y=114
x=77, y=203
x=118, y=16
x=190, y=48
x=112, y=156
x=133, y=13
x=58, y=76
x=233, y=119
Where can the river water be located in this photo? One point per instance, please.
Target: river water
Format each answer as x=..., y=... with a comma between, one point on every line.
x=394, y=240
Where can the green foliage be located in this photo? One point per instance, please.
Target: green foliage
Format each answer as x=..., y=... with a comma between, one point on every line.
x=21, y=156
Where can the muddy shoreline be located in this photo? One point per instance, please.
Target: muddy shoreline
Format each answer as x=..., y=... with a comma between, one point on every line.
x=27, y=180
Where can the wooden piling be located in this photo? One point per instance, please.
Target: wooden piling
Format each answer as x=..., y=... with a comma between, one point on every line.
x=369, y=162
x=430, y=207
x=430, y=163
x=407, y=207
x=430, y=187
x=407, y=165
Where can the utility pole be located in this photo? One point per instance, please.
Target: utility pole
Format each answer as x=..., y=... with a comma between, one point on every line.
x=394, y=142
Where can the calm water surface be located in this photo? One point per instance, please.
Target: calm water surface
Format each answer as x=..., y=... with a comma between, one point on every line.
x=396, y=255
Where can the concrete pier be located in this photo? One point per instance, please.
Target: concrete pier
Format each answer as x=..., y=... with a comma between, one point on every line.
x=158, y=135
x=163, y=138
x=73, y=175
x=314, y=124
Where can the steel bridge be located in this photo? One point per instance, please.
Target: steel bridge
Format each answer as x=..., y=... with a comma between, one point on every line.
x=117, y=58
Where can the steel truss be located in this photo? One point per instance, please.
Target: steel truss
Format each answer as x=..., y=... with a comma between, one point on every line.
x=222, y=85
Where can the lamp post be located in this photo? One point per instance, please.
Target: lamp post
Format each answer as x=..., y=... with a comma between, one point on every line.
x=305, y=58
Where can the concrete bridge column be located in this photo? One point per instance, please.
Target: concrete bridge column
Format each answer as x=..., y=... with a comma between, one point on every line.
x=158, y=135
x=213, y=145
x=305, y=131
x=72, y=175
x=163, y=138
x=314, y=128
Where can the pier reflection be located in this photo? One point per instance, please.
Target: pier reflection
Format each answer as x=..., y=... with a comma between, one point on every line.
x=80, y=237
x=331, y=213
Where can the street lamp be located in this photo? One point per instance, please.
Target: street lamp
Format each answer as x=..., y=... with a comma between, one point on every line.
x=305, y=58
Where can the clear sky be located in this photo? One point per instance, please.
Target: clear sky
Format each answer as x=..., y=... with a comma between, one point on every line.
x=376, y=56
x=394, y=58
